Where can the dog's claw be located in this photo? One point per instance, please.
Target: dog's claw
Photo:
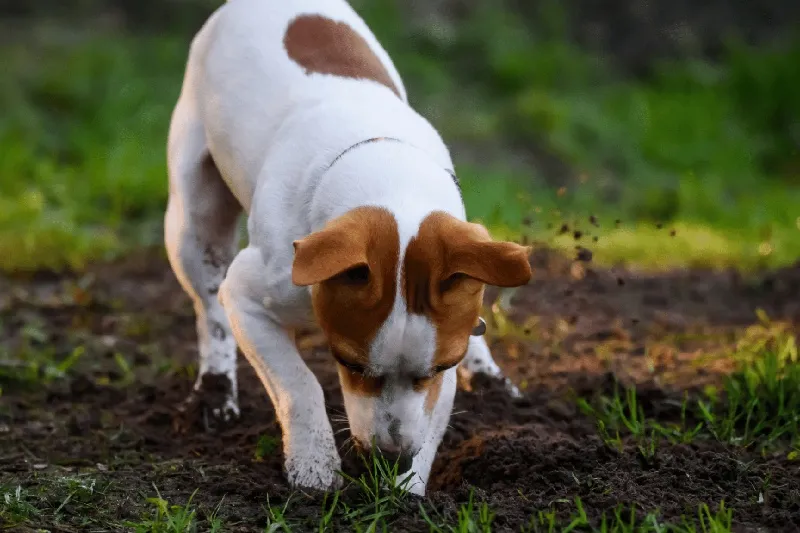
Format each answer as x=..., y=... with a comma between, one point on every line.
x=512, y=389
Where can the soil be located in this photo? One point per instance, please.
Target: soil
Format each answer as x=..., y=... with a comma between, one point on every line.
x=574, y=330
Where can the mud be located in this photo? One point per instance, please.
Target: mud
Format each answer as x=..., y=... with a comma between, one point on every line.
x=573, y=331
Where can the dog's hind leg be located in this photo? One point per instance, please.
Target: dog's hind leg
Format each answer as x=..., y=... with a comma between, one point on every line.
x=200, y=232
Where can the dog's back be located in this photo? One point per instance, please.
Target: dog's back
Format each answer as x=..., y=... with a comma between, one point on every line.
x=256, y=64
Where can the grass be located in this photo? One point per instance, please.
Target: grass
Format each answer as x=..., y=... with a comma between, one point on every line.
x=350, y=510
x=16, y=506
x=760, y=402
x=369, y=503
x=471, y=518
x=757, y=407
x=71, y=498
x=695, y=146
x=167, y=518
x=382, y=494
x=625, y=519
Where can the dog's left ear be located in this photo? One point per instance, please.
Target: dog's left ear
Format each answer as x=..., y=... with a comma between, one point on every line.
x=327, y=253
x=473, y=253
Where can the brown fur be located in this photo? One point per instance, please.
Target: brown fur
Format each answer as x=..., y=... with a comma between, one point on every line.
x=351, y=314
x=445, y=270
x=325, y=46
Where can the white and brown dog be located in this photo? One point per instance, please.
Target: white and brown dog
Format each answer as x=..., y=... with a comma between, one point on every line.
x=293, y=113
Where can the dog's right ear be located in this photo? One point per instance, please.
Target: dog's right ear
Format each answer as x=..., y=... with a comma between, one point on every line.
x=327, y=253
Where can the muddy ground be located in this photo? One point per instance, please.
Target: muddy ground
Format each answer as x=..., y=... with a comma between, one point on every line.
x=574, y=331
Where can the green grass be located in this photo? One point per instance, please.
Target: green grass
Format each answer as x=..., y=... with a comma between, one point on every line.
x=72, y=498
x=84, y=500
x=760, y=402
x=471, y=518
x=624, y=519
x=266, y=446
x=16, y=505
x=703, y=148
x=381, y=494
x=168, y=518
x=757, y=407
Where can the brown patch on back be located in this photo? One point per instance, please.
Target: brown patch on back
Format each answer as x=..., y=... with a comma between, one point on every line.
x=445, y=270
x=319, y=44
x=350, y=313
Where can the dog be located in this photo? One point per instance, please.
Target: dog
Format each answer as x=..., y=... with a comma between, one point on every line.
x=292, y=114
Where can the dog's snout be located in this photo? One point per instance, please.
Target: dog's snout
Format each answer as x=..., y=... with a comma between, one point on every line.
x=394, y=432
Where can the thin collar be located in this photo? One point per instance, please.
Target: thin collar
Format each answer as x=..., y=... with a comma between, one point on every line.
x=378, y=139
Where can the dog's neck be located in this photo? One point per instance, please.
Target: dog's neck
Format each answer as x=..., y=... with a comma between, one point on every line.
x=383, y=139
x=388, y=173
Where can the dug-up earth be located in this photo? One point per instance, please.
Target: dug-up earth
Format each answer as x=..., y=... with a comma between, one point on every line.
x=127, y=333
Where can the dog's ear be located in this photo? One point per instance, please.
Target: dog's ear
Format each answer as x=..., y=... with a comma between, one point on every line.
x=472, y=252
x=327, y=253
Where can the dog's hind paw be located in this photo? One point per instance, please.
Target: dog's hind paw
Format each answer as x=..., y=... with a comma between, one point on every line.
x=470, y=381
x=511, y=389
x=212, y=401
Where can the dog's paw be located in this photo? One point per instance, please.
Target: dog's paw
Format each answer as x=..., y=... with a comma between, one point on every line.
x=212, y=402
x=317, y=470
x=470, y=380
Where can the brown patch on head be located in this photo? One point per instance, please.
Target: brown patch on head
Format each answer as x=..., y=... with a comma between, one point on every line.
x=319, y=44
x=445, y=270
x=352, y=265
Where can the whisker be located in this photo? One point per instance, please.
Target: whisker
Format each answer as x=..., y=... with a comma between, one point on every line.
x=342, y=430
x=345, y=443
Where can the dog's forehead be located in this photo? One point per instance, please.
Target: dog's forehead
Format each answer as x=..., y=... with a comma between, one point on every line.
x=406, y=340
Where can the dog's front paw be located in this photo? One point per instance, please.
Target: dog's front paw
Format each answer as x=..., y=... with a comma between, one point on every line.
x=314, y=468
x=212, y=402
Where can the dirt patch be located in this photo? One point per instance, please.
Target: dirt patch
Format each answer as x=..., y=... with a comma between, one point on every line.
x=571, y=332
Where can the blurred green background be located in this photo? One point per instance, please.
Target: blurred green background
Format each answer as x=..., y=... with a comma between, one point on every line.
x=640, y=113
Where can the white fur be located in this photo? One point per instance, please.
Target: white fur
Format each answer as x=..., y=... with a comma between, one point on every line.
x=272, y=131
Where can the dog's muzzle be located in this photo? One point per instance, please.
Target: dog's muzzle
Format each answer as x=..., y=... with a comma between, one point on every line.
x=401, y=458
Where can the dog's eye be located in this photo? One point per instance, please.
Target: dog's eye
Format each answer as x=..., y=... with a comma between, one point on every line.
x=352, y=367
x=357, y=369
x=450, y=282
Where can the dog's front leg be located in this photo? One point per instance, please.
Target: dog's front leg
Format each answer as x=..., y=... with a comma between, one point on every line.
x=311, y=457
x=440, y=418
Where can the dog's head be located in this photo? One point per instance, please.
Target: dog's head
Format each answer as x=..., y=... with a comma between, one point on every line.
x=398, y=315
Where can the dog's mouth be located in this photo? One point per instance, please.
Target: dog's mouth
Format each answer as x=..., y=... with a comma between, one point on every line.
x=402, y=460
